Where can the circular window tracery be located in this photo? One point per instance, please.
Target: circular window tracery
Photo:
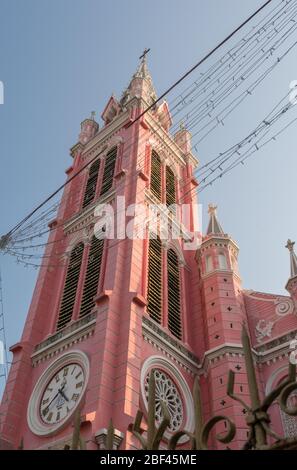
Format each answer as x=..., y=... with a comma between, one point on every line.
x=167, y=392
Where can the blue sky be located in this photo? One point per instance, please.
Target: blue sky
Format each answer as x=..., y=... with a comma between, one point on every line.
x=61, y=59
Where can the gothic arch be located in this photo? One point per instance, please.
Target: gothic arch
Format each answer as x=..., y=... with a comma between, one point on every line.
x=113, y=142
x=174, y=245
x=289, y=423
x=160, y=362
x=83, y=236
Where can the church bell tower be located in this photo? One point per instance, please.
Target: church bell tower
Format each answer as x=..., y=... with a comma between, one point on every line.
x=107, y=310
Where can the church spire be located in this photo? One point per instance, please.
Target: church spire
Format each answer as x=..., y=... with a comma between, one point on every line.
x=214, y=226
x=293, y=258
x=141, y=84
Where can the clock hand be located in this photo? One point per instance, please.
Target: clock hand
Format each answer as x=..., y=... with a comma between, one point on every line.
x=63, y=395
x=47, y=408
x=53, y=399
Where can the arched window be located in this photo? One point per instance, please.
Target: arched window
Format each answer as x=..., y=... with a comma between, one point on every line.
x=290, y=422
x=91, y=183
x=208, y=263
x=234, y=264
x=170, y=187
x=109, y=170
x=70, y=286
x=222, y=261
x=154, y=289
x=156, y=175
x=92, y=276
x=174, y=321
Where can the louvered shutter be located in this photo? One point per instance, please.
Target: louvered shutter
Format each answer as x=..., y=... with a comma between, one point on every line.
x=109, y=170
x=154, y=294
x=70, y=286
x=174, y=322
x=170, y=187
x=156, y=175
x=91, y=183
x=92, y=276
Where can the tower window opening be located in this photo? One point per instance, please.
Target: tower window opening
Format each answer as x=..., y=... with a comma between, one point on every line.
x=174, y=321
x=170, y=187
x=156, y=175
x=92, y=276
x=154, y=289
x=90, y=190
x=222, y=261
x=108, y=173
x=70, y=286
x=208, y=263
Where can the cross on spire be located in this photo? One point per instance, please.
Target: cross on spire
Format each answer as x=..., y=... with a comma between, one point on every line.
x=145, y=52
x=290, y=245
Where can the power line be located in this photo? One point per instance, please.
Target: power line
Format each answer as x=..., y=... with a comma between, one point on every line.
x=264, y=28
x=142, y=114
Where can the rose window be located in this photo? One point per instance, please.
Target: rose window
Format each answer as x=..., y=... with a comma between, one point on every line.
x=167, y=392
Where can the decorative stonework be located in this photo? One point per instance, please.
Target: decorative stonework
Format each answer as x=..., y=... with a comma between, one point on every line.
x=103, y=137
x=167, y=392
x=281, y=341
x=173, y=349
x=86, y=216
x=101, y=439
x=75, y=333
x=283, y=306
x=290, y=422
x=263, y=330
x=164, y=141
x=182, y=401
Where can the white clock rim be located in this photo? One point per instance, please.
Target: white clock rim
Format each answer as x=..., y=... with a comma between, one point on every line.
x=34, y=422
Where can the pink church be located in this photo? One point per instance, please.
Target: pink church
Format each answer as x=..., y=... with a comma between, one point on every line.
x=106, y=311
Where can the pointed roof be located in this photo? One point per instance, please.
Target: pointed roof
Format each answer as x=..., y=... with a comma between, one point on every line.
x=214, y=226
x=143, y=73
x=293, y=258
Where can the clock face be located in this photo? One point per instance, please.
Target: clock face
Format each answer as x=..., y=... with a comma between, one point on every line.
x=62, y=394
x=58, y=393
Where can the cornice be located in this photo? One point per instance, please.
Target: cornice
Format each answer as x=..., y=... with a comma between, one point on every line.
x=74, y=333
x=276, y=344
x=219, y=352
x=86, y=216
x=219, y=239
x=162, y=341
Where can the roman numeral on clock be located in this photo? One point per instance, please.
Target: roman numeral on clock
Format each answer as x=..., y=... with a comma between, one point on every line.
x=75, y=397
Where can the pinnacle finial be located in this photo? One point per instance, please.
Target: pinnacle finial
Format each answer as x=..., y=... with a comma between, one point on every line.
x=214, y=226
x=290, y=245
x=293, y=258
x=93, y=114
x=212, y=209
x=182, y=126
